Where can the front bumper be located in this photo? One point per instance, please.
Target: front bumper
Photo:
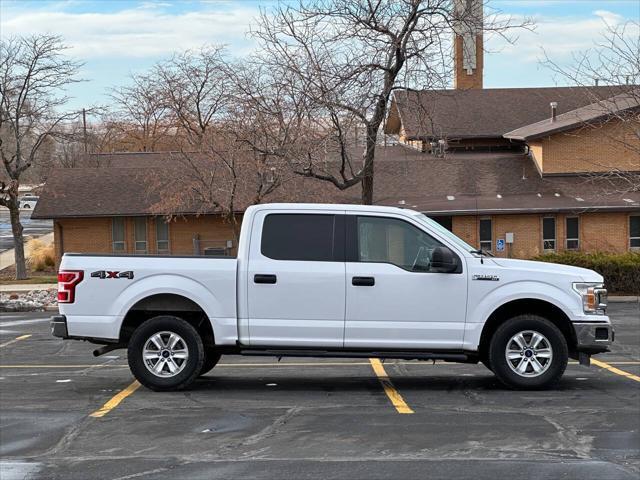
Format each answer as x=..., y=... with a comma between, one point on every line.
x=593, y=337
x=59, y=326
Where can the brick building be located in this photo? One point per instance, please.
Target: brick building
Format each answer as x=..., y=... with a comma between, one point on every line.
x=516, y=171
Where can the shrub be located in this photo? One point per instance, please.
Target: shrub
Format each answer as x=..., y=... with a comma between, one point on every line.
x=621, y=271
x=40, y=255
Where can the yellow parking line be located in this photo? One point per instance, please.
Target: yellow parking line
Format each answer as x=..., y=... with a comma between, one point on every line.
x=115, y=400
x=17, y=339
x=389, y=389
x=615, y=370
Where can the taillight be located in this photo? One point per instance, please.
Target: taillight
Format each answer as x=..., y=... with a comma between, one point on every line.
x=67, y=281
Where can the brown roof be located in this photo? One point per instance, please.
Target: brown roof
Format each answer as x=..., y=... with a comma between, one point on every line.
x=602, y=110
x=484, y=113
x=460, y=183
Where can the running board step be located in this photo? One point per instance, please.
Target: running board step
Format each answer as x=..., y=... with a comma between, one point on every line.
x=405, y=355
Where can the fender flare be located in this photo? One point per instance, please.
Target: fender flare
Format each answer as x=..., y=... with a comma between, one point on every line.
x=519, y=290
x=167, y=284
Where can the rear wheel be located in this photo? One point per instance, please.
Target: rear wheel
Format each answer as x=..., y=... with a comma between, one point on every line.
x=528, y=352
x=165, y=353
x=211, y=359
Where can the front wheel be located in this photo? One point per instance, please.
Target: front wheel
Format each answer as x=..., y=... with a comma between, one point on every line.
x=528, y=352
x=211, y=359
x=165, y=353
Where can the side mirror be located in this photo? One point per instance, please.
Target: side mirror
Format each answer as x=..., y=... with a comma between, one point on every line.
x=443, y=260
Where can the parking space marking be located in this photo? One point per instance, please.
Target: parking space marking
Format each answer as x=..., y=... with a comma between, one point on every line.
x=615, y=370
x=389, y=389
x=17, y=339
x=115, y=400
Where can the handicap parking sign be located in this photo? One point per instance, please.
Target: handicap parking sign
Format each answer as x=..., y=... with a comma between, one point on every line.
x=500, y=245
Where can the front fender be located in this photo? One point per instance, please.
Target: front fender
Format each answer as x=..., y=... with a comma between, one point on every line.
x=565, y=300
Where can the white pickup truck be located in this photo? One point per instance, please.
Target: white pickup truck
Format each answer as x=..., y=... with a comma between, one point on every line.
x=335, y=281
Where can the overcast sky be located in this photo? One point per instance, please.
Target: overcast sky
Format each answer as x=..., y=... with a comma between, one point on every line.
x=116, y=37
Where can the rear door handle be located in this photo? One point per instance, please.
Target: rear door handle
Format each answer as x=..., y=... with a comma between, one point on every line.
x=264, y=278
x=363, y=281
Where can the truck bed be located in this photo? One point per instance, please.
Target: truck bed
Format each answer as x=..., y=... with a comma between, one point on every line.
x=113, y=284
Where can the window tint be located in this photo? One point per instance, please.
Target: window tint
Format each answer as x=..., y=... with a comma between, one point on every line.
x=634, y=232
x=162, y=235
x=549, y=233
x=117, y=234
x=394, y=241
x=293, y=236
x=573, y=239
x=140, y=233
x=486, y=239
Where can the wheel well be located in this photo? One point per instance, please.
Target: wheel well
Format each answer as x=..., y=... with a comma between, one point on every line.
x=527, y=305
x=167, y=304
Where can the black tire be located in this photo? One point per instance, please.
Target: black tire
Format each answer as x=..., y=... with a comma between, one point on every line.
x=190, y=368
x=551, y=372
x=486, y=363
x=211, y=359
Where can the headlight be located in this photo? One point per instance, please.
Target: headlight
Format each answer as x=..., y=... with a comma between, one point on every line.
x=594, y=297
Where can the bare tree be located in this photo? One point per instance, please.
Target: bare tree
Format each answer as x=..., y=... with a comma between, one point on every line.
x=223, y=177
x=615, y=61
x=195, y=86
x=33, y=75
x=336, y=62
x=140, y=114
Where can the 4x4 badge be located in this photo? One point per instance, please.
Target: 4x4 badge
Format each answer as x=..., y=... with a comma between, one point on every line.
x=112, y=274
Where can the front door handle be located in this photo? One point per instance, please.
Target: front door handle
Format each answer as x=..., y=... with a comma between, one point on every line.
x=363, y=281
x=264, y=278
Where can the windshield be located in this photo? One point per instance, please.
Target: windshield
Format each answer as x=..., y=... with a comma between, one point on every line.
x=421, y=217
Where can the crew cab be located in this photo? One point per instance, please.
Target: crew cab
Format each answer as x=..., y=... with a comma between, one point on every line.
x=335, y=281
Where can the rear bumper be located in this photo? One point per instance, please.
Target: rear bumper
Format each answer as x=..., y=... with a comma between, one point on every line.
x=59, y=326
x=594, y=337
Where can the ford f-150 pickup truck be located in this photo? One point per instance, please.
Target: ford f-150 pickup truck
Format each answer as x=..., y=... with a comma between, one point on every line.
x=335, y=281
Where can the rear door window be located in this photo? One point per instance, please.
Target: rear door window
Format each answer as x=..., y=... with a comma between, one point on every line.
x=303, y=237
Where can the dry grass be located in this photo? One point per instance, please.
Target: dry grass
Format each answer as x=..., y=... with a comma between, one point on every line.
x=40, y=256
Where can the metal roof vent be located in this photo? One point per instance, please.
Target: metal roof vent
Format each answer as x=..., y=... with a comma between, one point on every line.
x=579, y=199
x=450, y=197
x=554, y=111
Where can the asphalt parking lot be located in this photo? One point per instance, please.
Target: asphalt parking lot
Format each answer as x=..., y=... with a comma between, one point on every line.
x=67, y=415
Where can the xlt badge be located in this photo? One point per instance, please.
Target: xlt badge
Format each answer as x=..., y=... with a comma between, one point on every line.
x=491, y=278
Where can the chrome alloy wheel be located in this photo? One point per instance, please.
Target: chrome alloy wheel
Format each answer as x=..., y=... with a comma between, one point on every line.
x=165, y=354
x=529, y=353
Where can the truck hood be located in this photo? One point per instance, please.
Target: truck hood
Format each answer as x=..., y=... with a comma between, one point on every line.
x=581, y=274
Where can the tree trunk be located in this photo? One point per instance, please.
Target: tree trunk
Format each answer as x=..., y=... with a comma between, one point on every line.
x=18, y=239
x=367, y=174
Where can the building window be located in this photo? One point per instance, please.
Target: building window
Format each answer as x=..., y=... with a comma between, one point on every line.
x=486, y=236
x=549, y=233
x=446, y=222
x=634, y=231
x=117, y=235
x=162, y=235
x=140, y=234
x=573, y=236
